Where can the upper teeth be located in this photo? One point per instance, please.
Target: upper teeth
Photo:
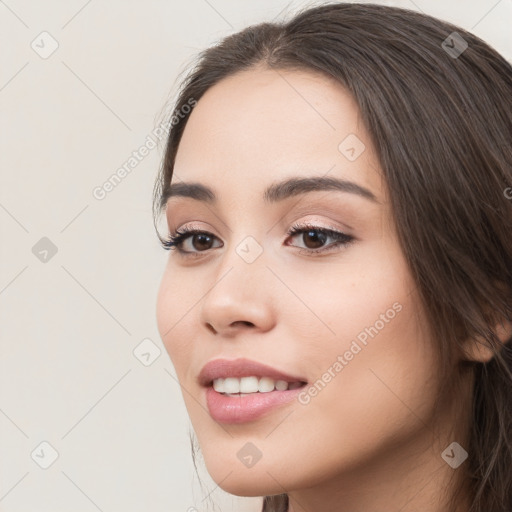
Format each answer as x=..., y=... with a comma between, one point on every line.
x=232, y=385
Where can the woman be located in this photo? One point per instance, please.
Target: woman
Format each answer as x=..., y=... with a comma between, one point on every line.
x=338, y=300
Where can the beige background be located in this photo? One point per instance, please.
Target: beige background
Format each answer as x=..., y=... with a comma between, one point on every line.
x=70, y=323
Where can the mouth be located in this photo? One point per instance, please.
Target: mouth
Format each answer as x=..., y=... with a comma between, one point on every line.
x=241, y=407
x=245, y=386
x=241, y=390
x=245, y=376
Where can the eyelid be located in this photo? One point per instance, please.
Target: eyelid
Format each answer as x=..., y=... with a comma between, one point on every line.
x=303, y=224
x=317, y=211
x=316, y=224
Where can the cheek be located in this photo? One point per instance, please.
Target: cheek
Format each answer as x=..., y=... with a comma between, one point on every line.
x=382, y=342
x=386, y=367
x=174, y=311
x=373, y=381
x=358, y=298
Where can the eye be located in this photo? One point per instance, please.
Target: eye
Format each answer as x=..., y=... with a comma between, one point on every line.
x=176, y=240
x=313, y=236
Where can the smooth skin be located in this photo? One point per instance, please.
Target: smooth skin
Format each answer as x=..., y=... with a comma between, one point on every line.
x=368, y=441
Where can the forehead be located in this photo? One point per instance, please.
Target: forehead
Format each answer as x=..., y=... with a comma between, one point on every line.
x=260, y=126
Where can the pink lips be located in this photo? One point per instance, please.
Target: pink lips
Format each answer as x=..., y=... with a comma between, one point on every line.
x=222, y=368
x=241, y=409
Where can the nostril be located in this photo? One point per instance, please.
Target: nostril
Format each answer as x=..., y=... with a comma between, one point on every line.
x=243, y=322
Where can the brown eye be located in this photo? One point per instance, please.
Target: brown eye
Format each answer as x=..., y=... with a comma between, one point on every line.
x=314, y=238
x=201, y=241
x=204, y=241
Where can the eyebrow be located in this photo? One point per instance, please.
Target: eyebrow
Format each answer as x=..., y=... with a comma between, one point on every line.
x=274, y=193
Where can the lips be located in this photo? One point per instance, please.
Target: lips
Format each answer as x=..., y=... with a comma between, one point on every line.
x=239, y=408
x=223, y=368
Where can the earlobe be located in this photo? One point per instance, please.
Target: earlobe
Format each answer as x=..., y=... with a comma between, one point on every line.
x=478, y=349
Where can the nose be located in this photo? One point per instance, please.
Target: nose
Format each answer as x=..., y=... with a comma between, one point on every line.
x=240, y=298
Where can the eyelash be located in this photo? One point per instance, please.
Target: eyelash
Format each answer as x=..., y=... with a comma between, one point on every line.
x=175, y=240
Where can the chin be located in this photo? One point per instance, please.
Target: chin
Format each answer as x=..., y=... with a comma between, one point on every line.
x=246, y=482
x=246, y=486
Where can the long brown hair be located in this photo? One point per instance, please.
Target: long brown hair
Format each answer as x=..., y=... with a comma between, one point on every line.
x=438, y=107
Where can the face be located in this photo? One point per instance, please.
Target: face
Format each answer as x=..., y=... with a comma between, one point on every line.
x=336, y=309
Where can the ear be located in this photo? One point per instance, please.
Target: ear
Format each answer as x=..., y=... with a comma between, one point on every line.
x=478, y=349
